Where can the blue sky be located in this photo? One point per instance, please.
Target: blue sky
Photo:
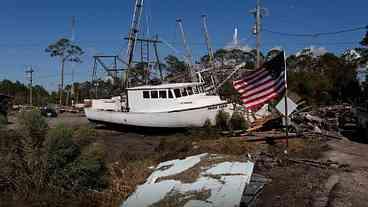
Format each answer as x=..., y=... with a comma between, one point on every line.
x=28, y=26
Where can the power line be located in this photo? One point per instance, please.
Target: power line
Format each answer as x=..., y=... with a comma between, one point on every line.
x=317, y=43
x=316, y=34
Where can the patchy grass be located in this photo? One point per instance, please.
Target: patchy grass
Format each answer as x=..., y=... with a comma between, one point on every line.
x=229, y=146
x=179, y=148
x=124, y=178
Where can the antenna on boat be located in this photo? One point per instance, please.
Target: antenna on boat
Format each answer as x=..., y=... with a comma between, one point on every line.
x=189, y=56
x=209, y=49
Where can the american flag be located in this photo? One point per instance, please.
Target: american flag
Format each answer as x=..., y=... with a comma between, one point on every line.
x=264, y=84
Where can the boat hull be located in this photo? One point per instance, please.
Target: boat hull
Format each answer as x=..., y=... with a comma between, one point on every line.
x=194, y=117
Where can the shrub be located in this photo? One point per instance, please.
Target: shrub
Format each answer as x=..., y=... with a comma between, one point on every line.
x=72, y=167
x=49, y=170
x=84, y=136
x=209, y=131
x=61, y=151
x=3, y=121
x=207, y=124
x=33, y=127
x=89, y=170
x=238, y=122
x=25, y=158
x=222, y=120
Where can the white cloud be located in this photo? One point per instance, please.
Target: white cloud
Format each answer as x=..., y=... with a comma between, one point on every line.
x=318, y=51
x=312, y=50
x=235, y=43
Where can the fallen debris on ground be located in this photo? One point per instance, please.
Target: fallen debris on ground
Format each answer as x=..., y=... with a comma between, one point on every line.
x=201, y=180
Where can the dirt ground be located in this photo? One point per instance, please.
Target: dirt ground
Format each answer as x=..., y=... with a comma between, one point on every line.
x=351, y=188
x=291, y=184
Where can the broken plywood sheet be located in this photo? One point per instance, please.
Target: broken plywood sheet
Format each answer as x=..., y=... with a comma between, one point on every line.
x=217, y=181
x=174, y=167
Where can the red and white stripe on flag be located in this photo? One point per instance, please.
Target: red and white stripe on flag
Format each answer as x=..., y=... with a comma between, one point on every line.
x=259, y=87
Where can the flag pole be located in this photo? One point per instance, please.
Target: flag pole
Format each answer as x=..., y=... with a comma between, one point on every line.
x=286, y=106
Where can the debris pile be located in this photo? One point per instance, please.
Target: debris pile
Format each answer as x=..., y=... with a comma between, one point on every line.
x=331, y=121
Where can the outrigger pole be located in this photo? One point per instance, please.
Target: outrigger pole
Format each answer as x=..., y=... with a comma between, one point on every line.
x=133, y=35
x=132, y=39
x=189, y=55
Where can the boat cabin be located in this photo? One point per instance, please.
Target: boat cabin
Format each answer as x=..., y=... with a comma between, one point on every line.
x=163, y=97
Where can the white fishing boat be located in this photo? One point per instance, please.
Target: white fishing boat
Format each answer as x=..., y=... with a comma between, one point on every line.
x=166, y=105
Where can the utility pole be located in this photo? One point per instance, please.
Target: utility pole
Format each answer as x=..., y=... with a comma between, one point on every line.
x=207, y=38
x=258, y=13
x=258, y=33
x=29, y=72
x=186, y=46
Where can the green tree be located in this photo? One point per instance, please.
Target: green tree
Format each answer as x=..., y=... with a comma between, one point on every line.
x=364, y=41
x=326, y=79
x=272, y=53
x=20, y=92
x=66, y=51
x=364, y=52
x=177, y=69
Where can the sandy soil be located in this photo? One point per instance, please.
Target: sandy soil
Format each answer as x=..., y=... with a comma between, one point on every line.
x=351, y=189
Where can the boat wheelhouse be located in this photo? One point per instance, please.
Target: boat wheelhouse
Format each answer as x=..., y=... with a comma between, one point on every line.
x=165, y=105
x=169, y=97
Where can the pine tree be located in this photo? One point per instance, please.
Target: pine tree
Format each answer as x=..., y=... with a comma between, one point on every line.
x=364, y=42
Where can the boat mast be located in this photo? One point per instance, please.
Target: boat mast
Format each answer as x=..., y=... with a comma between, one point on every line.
x=132, y=39
x=188, y=55
x=207, y=39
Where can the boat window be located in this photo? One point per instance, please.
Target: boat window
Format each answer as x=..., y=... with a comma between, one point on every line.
x=154, y=94
x=195, y=90
x=190, y=90
x=162, y=94
x=146, y=94
x=177, y=93
x=183, y=92
x=170, y=94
